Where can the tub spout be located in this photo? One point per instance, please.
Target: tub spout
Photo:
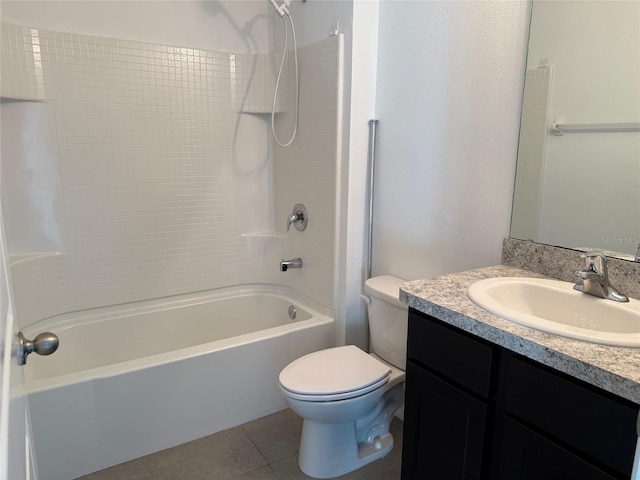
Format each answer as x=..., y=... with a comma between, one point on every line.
x=293, y=263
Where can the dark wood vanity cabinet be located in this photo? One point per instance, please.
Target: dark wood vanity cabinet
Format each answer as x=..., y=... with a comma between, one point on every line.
x=474, y=410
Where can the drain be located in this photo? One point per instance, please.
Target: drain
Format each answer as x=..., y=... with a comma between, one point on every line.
x=292, y=312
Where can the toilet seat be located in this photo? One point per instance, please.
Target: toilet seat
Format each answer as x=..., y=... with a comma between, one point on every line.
x=335, y=396
x=333, y=374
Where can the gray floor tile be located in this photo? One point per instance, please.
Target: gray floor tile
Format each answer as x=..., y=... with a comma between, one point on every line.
x=277, y=435
x=378, y=470
x=287, y=469
x=237, y=454
x=224, y=455
x=264, y=473
x=133, y=470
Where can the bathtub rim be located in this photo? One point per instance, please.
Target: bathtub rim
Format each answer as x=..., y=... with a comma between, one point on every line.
x=319, y=315
x=66, y=320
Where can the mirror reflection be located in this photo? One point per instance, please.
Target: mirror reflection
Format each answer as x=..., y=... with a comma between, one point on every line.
x=578, y=171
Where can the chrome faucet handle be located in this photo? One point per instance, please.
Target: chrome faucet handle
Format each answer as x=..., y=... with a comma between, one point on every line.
x=596, y=262
x=293, y=218
x=298, y=217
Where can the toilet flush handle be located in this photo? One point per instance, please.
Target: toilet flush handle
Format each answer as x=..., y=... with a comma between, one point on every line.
x=366, y=298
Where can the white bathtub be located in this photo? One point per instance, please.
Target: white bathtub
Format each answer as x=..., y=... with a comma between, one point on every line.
x=134, y=379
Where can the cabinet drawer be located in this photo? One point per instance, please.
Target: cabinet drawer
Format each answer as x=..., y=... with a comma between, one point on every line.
x=463, y=359
x=572, y=412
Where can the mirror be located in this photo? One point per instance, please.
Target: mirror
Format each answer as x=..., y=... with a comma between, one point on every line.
x=578, y=185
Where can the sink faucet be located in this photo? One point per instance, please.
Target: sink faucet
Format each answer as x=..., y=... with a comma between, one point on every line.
x=293, y=263
x=594, y=279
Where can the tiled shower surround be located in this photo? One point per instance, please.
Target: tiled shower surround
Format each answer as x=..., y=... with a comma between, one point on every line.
x=531, y=151
x=162, y=196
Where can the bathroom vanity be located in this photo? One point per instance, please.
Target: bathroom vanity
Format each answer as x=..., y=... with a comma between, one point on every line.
x=489, y=399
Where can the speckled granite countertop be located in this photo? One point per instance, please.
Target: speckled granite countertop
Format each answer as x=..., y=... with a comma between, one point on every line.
x=614, y=369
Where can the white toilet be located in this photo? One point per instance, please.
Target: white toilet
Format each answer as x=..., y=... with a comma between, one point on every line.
x=347, y=397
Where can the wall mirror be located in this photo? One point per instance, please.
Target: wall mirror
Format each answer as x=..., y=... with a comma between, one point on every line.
x=578, y=171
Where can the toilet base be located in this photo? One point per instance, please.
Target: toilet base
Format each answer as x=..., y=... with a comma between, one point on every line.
x=328, y=450
x=341, y=453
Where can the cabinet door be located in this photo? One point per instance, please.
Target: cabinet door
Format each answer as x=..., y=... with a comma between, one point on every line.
x=444, y=437
x=525, y=455
x=573, y=413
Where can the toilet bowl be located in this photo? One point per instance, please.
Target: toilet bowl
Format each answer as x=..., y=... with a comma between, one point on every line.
x=347, y=397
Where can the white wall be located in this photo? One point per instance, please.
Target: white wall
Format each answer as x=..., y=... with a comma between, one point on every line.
x=450, y=78
x=355, y=206
x=594, y=48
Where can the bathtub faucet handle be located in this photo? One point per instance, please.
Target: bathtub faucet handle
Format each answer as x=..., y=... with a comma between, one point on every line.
x=298, y=217
x=44, y=344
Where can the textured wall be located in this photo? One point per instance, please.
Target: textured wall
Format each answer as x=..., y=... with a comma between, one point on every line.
x=450, y=78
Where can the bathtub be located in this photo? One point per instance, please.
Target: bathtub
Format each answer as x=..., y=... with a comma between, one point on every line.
x=130, y=380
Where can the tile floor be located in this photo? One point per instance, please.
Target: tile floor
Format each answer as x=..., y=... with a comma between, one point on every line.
x=265, y=449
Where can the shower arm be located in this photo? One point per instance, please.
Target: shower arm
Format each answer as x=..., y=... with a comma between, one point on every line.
x=281, y=9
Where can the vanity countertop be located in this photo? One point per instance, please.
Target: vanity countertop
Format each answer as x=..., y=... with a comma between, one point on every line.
x=614, y=369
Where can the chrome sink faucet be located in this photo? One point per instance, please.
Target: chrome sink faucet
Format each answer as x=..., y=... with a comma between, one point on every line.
x=594, y=279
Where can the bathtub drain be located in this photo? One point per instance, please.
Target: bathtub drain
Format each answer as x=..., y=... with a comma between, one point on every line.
x=292, y=312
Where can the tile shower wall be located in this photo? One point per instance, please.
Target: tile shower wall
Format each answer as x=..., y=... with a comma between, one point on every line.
x=158, y=200
x=531, y=152
x=307, y=171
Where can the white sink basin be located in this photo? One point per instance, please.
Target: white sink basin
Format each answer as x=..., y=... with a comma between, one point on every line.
x=554, y=306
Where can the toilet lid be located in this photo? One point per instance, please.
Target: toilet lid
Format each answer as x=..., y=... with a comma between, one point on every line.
x=332, y=371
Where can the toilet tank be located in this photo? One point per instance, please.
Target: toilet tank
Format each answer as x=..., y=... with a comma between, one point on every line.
x=387, y=319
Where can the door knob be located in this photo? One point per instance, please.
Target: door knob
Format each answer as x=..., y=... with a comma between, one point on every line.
x=44, y=344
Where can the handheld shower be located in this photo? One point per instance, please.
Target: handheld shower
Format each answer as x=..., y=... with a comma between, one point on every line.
x=283, y=10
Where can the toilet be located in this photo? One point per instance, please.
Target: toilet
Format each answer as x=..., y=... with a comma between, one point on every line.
x=347, y=397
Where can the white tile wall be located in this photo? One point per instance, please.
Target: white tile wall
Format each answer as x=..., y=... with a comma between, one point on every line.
x=253, y=79
x=531, y=152
x=155, y=192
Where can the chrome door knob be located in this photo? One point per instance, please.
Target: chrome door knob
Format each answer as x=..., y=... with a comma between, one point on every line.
x=44, y=344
